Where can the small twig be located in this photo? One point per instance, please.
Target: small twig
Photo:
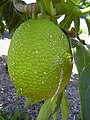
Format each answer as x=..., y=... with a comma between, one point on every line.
x=73, y=34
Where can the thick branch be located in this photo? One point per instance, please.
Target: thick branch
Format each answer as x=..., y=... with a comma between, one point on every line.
x=26, y=8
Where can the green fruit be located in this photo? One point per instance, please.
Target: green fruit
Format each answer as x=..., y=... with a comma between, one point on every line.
x=39, y=60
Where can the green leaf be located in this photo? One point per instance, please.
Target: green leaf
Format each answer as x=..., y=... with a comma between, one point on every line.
x=45, y=110
x=88, y=24
x=77, y=23
x=10, y=15
x=56, y=1
x=50, y=106
x=82, y=60
x=76, y=2
x=27, y=116
x=38, y=0
x=64, y=107
x=66, y=22
x=84, y=1
x=56, y=105
x=86, y=104
x=54, y=117
x=3, y=2
x=1, y=118
x=49, y=7
x=58, y=102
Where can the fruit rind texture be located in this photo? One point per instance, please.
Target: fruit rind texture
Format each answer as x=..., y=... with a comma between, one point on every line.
x=39, y=51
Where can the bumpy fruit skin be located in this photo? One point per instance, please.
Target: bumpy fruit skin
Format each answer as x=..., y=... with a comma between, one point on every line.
x=39, y=60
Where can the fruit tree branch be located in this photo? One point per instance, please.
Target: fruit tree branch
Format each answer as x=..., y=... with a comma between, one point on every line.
x=26, y=8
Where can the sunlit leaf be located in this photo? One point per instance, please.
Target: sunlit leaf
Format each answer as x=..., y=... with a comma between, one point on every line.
x=58, y=102
x=45, y=110
x=54, y=117
x=50, y=106
x=64, y=107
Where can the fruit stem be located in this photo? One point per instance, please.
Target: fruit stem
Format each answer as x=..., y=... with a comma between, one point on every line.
x=44, y=13
x=49, y=7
